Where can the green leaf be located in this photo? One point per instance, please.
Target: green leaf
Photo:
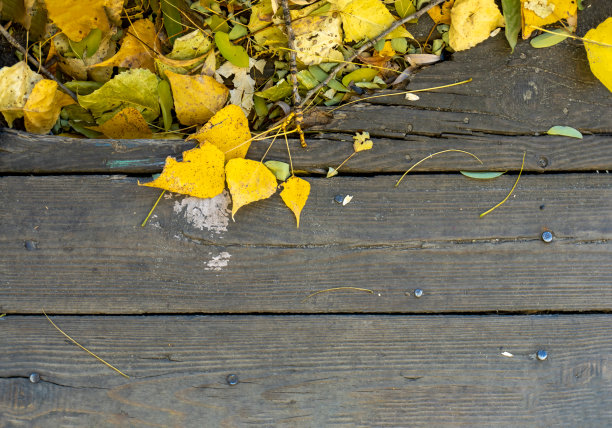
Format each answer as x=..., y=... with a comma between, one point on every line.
x=306, y=79
x=405, y=7
x=133, y=88
x=83, y=87
x=481, y=175
x=580, y=5
x=277, y=92
x=279, y=169
x=399, y=44
x=233, y=53
x=547, y=40
x=261, y=108
x=566, y=131
x=238, y=31
x=512, y=15
x=171, y=18
x=360, y=75
x=89, y=44
x=165, y=102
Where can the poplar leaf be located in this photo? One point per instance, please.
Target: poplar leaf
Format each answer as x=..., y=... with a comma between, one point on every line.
x=200, y=174
x=128, y=123
x=512, y=16
x=248, y=181
x=43, y=107
x=544, y=12
x=196, y=98
x=191, y=45
x=316, y=38
x=16, y=84
x=295, y=194
x=547, y=40
x=77, y=18
x=566, y=131
x=600, y=57
x=233, y=53
x=228, y=130
x=472, y=22
x=404, y=7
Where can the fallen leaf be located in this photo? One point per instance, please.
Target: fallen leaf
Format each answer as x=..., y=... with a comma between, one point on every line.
x=43, y=107
x=362, y=142
x=279, y=169
x=405, y=8
x=566, y=131
x=76, y=18
x=472, y=22
x=133, y=88
x=331, y=172
x=128, y=123
x=190, y=46
x=360, y=75
x=366, y=19
x=200, y=174
x=196, y=98
x=235, y=54
x=482, y=175
x=171, y=13
x=600, y=57
x=544, y=12
x=441, y=14
x=547, y=40
x=512, y=17
x=138, y=48
x=265, y=34
x=248, y=181
x=80, y=68
x=244, y=84
x=16, y=84
x=346, y=200
x=295, y=194
x=228, y=130
x=317, y=37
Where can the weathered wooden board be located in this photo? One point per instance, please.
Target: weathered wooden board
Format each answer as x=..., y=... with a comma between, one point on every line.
x=23, y=153
x=308, y=371
x=75, y=245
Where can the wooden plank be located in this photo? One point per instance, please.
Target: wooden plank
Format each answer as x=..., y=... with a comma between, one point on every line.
x=75, y=245
x=21, y=153
x=308, y=371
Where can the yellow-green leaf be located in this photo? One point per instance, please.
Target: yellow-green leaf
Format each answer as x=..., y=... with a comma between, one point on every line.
x=547, y=40
x=566, y=131
x=360, y=75
x=482, y=175
x=233, y=53
x=279, y=169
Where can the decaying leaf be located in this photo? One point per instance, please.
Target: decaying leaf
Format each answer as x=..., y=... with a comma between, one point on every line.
x=76, y=18
x=600, y=56
x=43, y=107
x=200, y=174
x=295, y=194
x=228, y=130
x=472, y=22
x=244, y=84
x=16, y=84
x=544, y=12
x=362, y=142
x=248, y=181
x=79, y=67
x=133, y=88
x=128, y=123
x=196, y=98
x=366, y=19
x=137, y=50
x=316, y=38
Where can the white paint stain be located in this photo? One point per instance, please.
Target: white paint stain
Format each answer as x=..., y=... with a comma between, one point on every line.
x=211, y=214
x=218, y=262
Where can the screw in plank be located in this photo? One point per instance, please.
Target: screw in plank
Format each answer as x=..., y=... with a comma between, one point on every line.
x=547, y=236
x=30, y=245
x=232, y=379
x=34, y=377
x=541, y=355
x=418, y=293
x=543, y=162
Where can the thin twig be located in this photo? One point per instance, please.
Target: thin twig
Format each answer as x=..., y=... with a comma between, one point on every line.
x=368, y=45
x=34, y=62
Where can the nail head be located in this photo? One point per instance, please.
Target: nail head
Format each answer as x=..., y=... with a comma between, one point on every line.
x=232, y=379
x=547, y=236
x=418, y=293
x=542, y=355
x=34, y=377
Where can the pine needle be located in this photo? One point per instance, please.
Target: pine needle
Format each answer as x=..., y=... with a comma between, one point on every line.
x=152, y=209
x=84, y=348
x=432, y=155
x=367, y=290
x=511, y=190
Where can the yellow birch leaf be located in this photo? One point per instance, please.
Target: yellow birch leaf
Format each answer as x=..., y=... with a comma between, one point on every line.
x=228, y=130
x=472, y=22
x=295, y=194
x=200, y=174
x=248, y=181
x=43, y=107
x=441, y=13
x=544, y=12
x=366, y=19
x=76, y=17
x=196, y=98
x=600, y=57
x=137, y=50
x=16, y=84
x=128, y=123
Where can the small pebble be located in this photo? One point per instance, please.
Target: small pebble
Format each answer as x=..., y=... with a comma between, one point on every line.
x=232, y=379
x=418, y=293
x=34, y=378
x=541, y=355
x=547, y=236
x=31, y=245
x=339, y=198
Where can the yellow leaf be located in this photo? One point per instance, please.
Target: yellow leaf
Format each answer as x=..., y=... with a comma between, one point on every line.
x=76, y=17
x=16, y=84
x=472, y=21
x=316, y=38
x=366, y=19
x=228, y=130
x=295, y=194
x=362, y=142
x=600, y=57
x=137, y=50
x=248, y=181
x=196, y=98
x=128, y=123
x=43, y=107
x=441, y=13
x=200, y=174
x=543, y=12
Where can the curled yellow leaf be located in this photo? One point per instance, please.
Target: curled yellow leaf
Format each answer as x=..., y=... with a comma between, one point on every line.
x=228, y=130
x=43, y=107
x=200, y=174
x=248, y=181
x=472, y=22
x=128, y=123
x=295, y=194
x=196, y=98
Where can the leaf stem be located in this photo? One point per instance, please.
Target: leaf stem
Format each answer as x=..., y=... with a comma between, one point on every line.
x=153, y=209
x=367, y=290
x=511, y=190
x=432, y=155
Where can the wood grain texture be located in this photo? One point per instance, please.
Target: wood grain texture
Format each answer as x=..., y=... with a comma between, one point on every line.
x=75, y=245
x=304, y=371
